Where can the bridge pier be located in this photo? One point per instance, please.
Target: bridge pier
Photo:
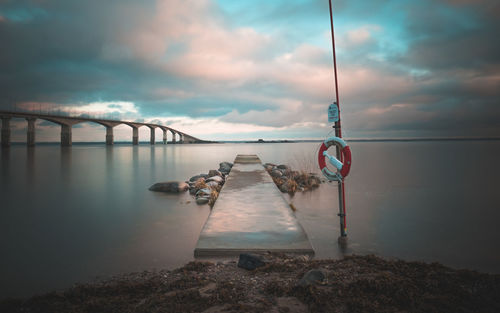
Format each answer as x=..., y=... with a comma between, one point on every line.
x=152, y=135
x=164, y=136
x=66, y=136
x=30, y=136
x=109, y=135
x=173, y=136
x=135, y=135
x=5, y=131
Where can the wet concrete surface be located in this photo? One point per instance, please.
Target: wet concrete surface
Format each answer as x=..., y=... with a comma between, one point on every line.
x=251, y=215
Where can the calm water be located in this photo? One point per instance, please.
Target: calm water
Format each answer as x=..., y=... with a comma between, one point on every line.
x=70, y=215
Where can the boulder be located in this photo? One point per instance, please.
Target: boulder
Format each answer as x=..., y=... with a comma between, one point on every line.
x=225, y=167
x=276, y=173
x=288, y=186
x=196, y=177
x=315, y=276
x=283, y=167
x=202, y=200
x=212, y=173
x=216, y=179
x=203, y=192
x=250, y=261
x=226, y=164
x=212, y=184
x=269, y=166
x=170, y=186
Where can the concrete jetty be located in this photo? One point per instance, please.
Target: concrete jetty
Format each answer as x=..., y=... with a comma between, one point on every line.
x=251, y=215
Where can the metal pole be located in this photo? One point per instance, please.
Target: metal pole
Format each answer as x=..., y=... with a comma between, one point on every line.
x=338, y=133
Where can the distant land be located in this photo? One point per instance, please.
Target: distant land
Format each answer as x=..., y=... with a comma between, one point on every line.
x=284, y=140
x=365, y=140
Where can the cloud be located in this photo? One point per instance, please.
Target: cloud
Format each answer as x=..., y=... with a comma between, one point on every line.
x=258, y=66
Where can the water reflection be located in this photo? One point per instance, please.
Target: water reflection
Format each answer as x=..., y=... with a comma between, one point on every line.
x=65, y=163
x=30, y=168
x=69, y=214
x=5, y=165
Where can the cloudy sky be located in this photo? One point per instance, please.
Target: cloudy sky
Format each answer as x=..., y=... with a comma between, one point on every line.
x=225, y=69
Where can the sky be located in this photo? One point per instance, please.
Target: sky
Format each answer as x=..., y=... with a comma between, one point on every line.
x=244, y=70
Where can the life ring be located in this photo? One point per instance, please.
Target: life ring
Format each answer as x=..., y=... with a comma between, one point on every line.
x=343, y=168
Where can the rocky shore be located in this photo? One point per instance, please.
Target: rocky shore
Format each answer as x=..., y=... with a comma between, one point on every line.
x=283, y=283
x=291, y=181
x=206, y=187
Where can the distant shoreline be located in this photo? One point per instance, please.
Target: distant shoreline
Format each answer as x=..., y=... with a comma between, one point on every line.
x=18, y=143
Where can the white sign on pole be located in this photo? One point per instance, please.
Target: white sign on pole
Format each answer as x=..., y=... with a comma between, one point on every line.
x=333, y=113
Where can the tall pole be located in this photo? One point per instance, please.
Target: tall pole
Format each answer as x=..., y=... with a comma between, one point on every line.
x=338, y=133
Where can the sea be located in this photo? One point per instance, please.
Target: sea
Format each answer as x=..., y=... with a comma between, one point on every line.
x=77, y=214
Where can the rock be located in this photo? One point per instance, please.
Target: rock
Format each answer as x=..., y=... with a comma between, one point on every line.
x=212, y=184
x=196, y=177
x=226, y=164
x=216, y=179
x=225, y=167
x=203, y=192
x=269, y=166
x=207, y=291
x=276, y=173
x=283, y=167
x=288, y=186
x=314, y=276
x=314, y=181
x=250, y=261
x=170, y=186
x=202, y=200
x=212, y=173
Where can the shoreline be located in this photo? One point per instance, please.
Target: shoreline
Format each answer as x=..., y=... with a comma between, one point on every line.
x=354, y=283
x=147, y=143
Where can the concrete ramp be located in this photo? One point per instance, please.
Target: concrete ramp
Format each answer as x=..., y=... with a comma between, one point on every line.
x=251, y=215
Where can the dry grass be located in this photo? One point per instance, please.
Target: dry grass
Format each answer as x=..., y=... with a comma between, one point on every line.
x=200, y=184
x=292, y=186
x=213, y=196
x=304, y=161
x=353, y=284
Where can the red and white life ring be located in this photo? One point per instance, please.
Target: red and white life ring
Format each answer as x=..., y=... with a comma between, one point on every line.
x=343, y=168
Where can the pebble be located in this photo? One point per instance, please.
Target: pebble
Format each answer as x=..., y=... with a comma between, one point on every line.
x=312, y=277
x=250, y=261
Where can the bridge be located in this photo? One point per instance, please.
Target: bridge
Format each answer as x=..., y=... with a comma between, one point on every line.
x=67, y=122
